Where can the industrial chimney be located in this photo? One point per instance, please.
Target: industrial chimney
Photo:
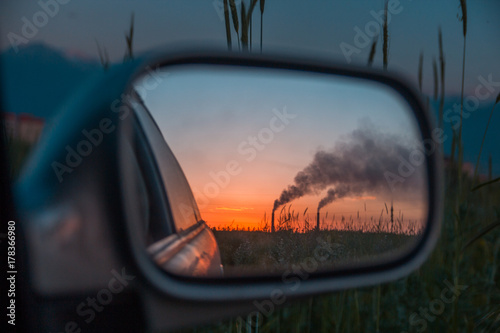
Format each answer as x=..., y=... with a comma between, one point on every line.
x=272, y=221
x=317, y=220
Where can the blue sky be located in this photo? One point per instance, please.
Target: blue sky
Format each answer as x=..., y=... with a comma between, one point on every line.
x=242, y=101
x=313, y=27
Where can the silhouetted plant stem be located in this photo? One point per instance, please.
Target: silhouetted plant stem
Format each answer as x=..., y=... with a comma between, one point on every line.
x=228, y=26
x=463, y=4
x=371, y=56
x=490, y=168
x=249, y=19
x=462, y=93
x=244, y=28
x=386, y=37
x=442, y=64
x=262, y=4
x=129, y=55
x=234, y=15
x=103, y=56
x=250, y=39
x=484, y=136
x=420, y=71
x=436, y=78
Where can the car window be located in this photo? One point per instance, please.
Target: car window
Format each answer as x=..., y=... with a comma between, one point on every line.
x=182, y=205
x=140, y=187
x=154, y=222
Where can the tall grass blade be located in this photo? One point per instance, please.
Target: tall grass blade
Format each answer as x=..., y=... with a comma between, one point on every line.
x=436, y=78
x=249, y=20
x=386, y=37
x=480, y=234
x=250, y=38
x=372, y=51
x=420, y=70
x=463, y=5
x=490, y=168
x=262, y=5
x=228, y=25
x=453, y=145
x=442, y=65
x=244, y=28
x=103, y=56
x=130, y=39
x=234, y=15
x=489, y=182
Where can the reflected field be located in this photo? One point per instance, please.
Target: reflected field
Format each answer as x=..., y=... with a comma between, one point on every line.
x=277, y=159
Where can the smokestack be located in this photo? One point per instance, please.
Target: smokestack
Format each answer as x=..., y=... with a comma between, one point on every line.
x=272, y=221
x=317, y=220
x=392, y=212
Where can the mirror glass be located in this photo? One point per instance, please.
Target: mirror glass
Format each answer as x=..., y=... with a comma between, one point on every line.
x=286, y=169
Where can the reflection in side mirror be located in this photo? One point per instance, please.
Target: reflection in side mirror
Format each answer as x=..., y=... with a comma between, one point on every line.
x=287, y=169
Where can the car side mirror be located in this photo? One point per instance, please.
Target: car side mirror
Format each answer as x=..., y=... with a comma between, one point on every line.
x=225, y=181
x=297, y=176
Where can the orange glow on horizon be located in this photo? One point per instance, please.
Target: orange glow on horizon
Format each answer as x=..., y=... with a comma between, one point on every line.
x=255, y=214
x=233, y=209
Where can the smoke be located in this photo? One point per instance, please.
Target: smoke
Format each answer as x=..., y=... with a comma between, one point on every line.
x=333, y=194
x=354, y=166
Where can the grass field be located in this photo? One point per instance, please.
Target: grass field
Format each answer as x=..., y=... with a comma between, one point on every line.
x=254, y=252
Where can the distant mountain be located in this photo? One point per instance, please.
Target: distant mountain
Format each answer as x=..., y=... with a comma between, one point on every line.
x=474, y=124
x=37, y=79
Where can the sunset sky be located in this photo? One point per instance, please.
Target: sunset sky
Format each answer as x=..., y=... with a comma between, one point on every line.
x=240, y=145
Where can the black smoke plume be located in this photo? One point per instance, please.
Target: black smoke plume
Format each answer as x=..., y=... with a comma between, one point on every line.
x=334, y=194
x=356, y=165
